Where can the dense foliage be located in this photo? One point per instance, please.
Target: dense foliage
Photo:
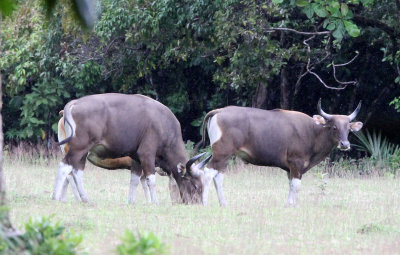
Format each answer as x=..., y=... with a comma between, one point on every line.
x=195, y=56
x=141, y=244
x=41, y=237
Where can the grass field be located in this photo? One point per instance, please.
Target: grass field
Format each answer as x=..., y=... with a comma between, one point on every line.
x=351, y=216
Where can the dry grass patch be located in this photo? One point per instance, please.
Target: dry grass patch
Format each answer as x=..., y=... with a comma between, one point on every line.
x=351, y=216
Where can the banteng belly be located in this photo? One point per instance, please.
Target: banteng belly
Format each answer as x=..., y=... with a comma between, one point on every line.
x=102, y=157
x=260, y=159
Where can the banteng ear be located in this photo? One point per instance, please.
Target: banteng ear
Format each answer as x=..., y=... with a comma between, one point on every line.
x=319, y=120
x=355, y=126
x=181, y=169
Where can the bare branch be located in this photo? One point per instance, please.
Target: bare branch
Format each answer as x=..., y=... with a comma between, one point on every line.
x=345, y=64
x=323, y=83
x=334, y=72
x=297, y=85
x=309, y=68
x=274, y=29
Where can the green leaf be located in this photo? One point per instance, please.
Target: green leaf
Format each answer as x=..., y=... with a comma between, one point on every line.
x=277, y=1
x=301, y=3
x=351, y=28
x=344, y=9
x=331, y=26
x=7, y=7
x=335, y=4
x=326, y=22
x=320, y=10
x=309, y=11
x=339, y=31
x=338, y=34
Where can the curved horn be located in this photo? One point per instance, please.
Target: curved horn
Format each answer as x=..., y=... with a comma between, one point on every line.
x=321, y=112
x=354, y=114
x=192, y=160
x=204, y=162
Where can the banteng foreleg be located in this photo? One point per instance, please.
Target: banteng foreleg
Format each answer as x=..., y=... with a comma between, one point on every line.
x=218, y=181
x=146, y=154
x=294, y=181
x=145, y=188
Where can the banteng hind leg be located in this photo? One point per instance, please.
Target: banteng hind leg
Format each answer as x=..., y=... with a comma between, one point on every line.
x=216, y=168
x=77, y=174
x=146, y=154
x=136, y=173
x=71, y=170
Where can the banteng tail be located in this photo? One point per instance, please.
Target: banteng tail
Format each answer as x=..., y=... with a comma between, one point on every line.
x=66, y=140
x=203, y=142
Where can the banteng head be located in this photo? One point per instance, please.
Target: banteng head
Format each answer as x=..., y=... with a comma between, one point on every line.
x=192, y=179
x=339, y=125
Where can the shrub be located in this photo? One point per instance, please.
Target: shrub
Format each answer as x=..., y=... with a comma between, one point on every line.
x=144, y=244
x=382, y=153
x=41, y=237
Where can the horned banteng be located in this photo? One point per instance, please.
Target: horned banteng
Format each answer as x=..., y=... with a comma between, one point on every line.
x=111, y=164
x=290, y=140
x=113, y=126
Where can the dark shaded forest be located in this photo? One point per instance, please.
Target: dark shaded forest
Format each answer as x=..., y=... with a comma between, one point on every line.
x=195, y=56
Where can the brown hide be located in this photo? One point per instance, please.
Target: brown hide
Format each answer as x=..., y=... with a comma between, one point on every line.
x=287, y=139
x=107, y=163
x=116, y=128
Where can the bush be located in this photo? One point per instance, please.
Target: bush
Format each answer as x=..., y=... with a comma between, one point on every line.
x=382, y=153
x=41, y=237
x=144, y=244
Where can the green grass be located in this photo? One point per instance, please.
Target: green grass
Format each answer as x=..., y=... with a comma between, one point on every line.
x=351, y=216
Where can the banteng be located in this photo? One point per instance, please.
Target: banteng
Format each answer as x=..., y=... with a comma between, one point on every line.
x=113, y=163
x=290, y=140
x=125, y=131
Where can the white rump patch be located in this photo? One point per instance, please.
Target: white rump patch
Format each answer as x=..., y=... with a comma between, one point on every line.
x=68, y=116
x=214, y=131
x=61, y=134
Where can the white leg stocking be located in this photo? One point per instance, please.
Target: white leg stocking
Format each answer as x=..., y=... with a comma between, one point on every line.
x=145, y=189
x=135, y=179
x=71, y=181
x=218, y=180
x=294, y=187
x=63, y=171
x=209, y=174
x=151, y=183
x=78, y=177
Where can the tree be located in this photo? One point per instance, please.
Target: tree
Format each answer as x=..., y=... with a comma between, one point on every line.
x=85, y=14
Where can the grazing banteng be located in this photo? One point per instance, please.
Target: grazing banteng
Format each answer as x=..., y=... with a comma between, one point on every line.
x=111, y=126
x=290, y=140
x=113, y=163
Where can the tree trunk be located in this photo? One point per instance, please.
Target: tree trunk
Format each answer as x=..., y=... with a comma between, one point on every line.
x=5, y=223
x=284, y=89
x=284, y=79
x=260, y=97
